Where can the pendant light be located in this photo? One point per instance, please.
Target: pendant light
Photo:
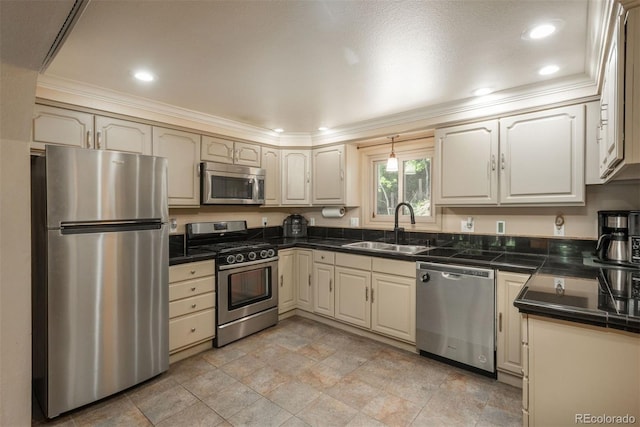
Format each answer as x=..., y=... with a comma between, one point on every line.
x=392, y=162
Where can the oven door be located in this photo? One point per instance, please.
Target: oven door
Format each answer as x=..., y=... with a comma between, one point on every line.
x=237, y=185
x=246, y=290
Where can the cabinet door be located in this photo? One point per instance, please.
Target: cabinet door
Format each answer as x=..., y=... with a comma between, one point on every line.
x=542, y=157
x=216, y=150
x=122, y=135
x=611, y=104
x=466, y=166
x=296, y=175
x=509, y=341
x=304, y=282
x=323, y=302
x=393, y=305
x=247, y=154
x=352, y=296
x=271, y=165
x=53, y=125
x=328, y=175
x=182, y=149
x=286, y=279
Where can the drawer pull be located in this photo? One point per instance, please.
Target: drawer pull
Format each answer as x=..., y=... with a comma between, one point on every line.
x=193, y=289
x=499, y=322
x=281, y=280
x=193, y=272
x=193, y=329
x=193, y=306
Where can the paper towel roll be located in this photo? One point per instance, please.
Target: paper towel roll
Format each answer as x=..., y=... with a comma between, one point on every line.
x=333, y=212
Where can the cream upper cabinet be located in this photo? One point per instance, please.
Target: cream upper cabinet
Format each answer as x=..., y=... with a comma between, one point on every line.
x=304, y=282
x=542, y=157
x=323, y=283
x=610, y=138
x=467, y=164
x=528, y=159
x=353, y=286
x=286, y=280
x=122, y=135
x=271, y=165
x=53, y=125
x=393, y=298
x=509, y=337
x=335, y=175
x=296, y=177
x=182, y=149
x=224, y=151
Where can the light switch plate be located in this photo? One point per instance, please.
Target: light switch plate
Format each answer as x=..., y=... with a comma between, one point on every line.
x=500, y=227
x=354, y=222
x=312, y=221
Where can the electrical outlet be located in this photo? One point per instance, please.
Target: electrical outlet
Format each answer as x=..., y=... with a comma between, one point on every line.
x=173, y=224
x=354, y=222
x=558, y=230
x=264, y=221
x=558, y=283
x=467, y=225
x=500, y=227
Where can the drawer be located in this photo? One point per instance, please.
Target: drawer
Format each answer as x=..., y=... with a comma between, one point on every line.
x=191, y=329
x=191, y=305
x=325, y=257
x=190, y=288
x=394, y=267
x=191, y=270
x=353, y=261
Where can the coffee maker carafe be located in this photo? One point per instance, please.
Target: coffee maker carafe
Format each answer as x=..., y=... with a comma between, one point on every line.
x=614, y=233
x=634, y=237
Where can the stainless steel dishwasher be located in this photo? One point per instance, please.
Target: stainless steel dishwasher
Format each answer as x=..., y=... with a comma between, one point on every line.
x=455, y=314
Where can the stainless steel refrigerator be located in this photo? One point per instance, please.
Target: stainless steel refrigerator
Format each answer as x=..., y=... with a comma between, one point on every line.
x=99, y=274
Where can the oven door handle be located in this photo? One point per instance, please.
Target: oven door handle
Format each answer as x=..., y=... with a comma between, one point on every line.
x=247, y=264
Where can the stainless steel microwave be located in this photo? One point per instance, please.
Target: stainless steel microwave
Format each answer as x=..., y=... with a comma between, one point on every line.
x=222, y=184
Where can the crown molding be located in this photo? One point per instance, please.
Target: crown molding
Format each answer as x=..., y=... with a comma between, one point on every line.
x=86, y=95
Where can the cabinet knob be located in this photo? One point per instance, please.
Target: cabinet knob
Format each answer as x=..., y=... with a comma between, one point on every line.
x=193, y=272
x=193, y=289
x=193, y=329
x=193, y=306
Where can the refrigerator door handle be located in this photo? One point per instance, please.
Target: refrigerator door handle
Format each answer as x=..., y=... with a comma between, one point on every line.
x=106, y=227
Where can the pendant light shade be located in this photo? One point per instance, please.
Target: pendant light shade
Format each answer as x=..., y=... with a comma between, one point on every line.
x=392, y=162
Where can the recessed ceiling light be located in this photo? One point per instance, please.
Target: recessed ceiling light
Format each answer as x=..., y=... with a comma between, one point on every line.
x=279, y=130
x=144, y=76
x=543, y=30
x=482, y=91
x=323, y=128
x=549, y=69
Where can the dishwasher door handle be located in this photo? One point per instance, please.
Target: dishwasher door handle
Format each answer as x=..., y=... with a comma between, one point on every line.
x=452, y=276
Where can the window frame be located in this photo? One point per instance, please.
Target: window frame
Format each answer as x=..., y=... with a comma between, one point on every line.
x=421, y=149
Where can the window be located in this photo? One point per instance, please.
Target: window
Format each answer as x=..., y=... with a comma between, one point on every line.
x=411, y=184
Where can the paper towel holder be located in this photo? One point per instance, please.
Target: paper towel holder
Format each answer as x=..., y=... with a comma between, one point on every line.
x=333, y=212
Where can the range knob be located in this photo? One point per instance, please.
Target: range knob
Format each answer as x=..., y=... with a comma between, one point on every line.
x=231, y=259
x=239, y=258
x=263, y=253
x=271, y=253
x=251, y=256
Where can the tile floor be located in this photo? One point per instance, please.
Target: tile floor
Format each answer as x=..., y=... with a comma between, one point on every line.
x=303, y=373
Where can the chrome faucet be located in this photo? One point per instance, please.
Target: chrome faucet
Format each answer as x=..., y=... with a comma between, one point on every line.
x=396, y=229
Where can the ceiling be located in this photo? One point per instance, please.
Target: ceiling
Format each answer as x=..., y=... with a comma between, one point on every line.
x=298, y=65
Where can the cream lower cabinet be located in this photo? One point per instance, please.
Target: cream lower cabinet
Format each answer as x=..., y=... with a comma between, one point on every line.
x=304, y=279
x=353, y=286
x=574, y=373
x=59, y=126
x=286, y=280
x=323, y=283
x=182, y=149
x=509, y=336
x=393, y=298
x=191, y=304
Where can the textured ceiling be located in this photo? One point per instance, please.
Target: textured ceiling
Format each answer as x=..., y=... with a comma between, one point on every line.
x=302, y=64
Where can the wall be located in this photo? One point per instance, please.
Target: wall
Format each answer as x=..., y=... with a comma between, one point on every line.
x=253, y=215
x=16, y=108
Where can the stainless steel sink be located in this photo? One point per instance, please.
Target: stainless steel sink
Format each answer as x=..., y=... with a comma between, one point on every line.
x=387, y=247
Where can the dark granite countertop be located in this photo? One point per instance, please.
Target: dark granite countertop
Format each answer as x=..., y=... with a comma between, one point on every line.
x=581, y=290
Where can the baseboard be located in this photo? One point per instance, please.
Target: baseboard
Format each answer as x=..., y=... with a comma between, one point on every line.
x=191, y=351
x=509, y=378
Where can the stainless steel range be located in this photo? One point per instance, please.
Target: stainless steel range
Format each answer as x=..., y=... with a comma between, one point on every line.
x=246, y=278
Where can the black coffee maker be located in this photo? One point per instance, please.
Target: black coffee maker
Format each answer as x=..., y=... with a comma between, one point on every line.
x=294, y=226
x=613, y=236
